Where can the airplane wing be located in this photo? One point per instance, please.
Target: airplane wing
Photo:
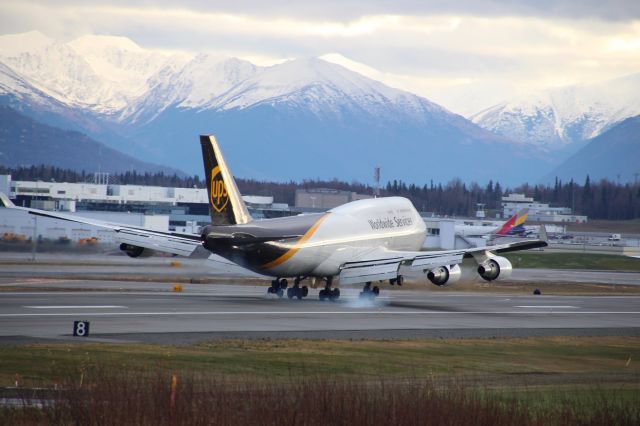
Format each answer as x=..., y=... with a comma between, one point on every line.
x=182, y=244
x=384, y=264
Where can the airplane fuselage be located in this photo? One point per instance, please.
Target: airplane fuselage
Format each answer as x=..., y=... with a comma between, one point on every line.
x=323, y=242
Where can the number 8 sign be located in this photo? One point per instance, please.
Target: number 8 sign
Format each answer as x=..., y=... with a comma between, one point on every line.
x=81, y=328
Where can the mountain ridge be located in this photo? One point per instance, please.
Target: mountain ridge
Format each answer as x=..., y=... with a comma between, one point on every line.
x=159, y=109
x=26, y=142
x=612, y=155
x=557, y=118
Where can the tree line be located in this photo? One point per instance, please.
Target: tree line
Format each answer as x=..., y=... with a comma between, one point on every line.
x=603, y=199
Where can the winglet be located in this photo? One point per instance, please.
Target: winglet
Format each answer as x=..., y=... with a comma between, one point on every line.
x=6, y=202
x=543, y=234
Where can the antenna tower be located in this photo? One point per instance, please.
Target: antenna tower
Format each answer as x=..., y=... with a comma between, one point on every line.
x=376, y=179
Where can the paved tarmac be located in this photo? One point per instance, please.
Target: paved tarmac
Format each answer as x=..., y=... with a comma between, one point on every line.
x=18, y=265
x=150, y=312
x=59, y=289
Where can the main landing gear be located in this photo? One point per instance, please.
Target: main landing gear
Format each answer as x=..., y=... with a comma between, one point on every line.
x=368, y=292
x=296, y=290
x=278, y=287
x=397, y=281
x=328, y=293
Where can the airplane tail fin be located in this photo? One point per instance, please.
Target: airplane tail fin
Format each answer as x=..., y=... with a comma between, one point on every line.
x=515, y=224
x=522, y=217
x=225, y=202
x=507, y=226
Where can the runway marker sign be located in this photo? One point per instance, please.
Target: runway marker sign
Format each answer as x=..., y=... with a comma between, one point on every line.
x=81, y=328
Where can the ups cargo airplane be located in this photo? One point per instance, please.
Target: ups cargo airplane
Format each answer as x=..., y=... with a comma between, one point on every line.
x=359, y=242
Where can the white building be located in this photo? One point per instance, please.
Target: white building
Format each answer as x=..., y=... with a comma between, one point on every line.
x=538, y=212
x=18, y=222
x=118, y=194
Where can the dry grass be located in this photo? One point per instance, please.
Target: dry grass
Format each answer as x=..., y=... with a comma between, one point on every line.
x=543, y=361
x=106, y=397
x=532, y=381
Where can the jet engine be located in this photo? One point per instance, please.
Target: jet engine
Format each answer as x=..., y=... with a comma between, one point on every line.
x=494, y=268
x=443, y=275
x=136, y=251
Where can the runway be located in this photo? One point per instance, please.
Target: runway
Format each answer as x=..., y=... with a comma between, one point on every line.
x=101, y=267
x=150, y=312
x=130, y=300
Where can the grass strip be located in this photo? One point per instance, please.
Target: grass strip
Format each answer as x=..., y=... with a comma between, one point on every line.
x=550, y=361
x=547, y=260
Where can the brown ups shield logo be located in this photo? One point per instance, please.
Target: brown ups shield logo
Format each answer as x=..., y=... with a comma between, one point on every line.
x=218, y=190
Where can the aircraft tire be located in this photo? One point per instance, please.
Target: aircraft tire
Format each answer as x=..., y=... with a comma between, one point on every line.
x=290, y=293
x=280, y=292
x=335, y=294
x=305, y=291
x=322, y=294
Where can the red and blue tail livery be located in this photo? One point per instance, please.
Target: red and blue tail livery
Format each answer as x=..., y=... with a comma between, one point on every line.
x=515, y=225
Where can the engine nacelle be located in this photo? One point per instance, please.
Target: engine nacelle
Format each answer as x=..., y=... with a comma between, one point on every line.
x=495, y=268
x=443, y=275
x=136, y=251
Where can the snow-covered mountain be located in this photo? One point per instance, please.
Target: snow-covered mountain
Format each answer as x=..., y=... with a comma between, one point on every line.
x=195, y=84
x=212, y=83
x=55, y=69
x=560, y=117
x=98, y=73
x=275, y=119
x=121, y=62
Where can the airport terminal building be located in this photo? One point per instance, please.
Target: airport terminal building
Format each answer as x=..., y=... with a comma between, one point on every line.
x=187, y=209
x=539, y=212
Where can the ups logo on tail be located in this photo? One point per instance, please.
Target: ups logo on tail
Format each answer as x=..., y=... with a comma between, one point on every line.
x=218, y=190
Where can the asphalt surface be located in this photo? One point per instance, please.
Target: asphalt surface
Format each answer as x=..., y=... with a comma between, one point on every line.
x=150, y=312
x=52, y=295
x=18, y=265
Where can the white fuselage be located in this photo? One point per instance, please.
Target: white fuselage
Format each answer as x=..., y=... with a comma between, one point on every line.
x=349, y=233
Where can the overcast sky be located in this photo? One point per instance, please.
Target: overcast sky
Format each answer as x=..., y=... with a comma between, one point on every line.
x=465, y=54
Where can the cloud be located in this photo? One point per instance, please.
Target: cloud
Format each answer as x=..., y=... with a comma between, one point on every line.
x=426, y=47
x=350, y=10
